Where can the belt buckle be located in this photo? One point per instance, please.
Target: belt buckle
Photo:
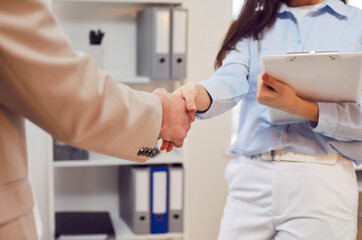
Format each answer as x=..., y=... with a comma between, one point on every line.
x=267, y=156
x=272, y=154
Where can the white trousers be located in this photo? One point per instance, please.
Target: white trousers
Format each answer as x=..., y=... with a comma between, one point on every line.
x=290, y=201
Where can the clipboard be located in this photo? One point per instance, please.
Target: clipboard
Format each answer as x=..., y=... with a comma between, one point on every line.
x=316, y=76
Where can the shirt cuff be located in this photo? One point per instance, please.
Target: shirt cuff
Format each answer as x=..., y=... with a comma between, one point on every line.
x=328, y=119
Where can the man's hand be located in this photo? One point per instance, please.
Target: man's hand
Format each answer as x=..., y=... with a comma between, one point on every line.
x=176, y=121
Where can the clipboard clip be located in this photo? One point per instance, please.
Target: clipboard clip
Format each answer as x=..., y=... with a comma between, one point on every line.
x=312, y=53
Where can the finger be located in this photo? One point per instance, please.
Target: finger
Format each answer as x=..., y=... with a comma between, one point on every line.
x=170, y=147
x=187, y=92
x=179, y=144
x=178, y=91
x=264, y=93
x=164, y=145
x=262, y=88
x=271, y=82
x=259, y=83
x=159, y=91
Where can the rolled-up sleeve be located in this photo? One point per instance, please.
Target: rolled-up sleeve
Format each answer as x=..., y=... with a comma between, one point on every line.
x=341, y=121
x=229, y=83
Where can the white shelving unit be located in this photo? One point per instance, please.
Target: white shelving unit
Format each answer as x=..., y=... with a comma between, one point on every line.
x=359, y=168
x=127, y=234
x=92, y=185
x=95, y=159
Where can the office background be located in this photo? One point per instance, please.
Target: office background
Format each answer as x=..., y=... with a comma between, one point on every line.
x=205, y=187
x=206, y=149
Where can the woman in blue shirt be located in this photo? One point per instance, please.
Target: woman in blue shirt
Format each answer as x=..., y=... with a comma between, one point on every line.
x=289, y=181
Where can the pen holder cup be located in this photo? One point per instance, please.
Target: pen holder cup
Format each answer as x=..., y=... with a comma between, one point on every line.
x=96, y=53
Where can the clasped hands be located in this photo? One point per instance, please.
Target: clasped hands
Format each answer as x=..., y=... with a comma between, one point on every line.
x=178, y=112
x=176, y=120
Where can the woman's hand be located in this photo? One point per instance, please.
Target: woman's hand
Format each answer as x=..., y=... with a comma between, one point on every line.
x=195, y=95
x=196, y=98
x=278, y=95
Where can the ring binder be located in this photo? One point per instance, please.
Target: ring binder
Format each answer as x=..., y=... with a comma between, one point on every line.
x=134, y=191
x=176, y=191
x=153, y=43
x=159, y=199
x=178, y=43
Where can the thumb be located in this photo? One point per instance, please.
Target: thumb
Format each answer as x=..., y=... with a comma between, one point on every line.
x=159, y=91
x=190, y=101
x=270, y=81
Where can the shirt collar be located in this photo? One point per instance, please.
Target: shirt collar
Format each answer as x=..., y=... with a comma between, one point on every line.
x=335, y=7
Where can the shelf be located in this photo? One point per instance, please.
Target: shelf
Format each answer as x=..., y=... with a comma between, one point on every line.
x=123, y=232
x=95, y=159
x=358, y=168
x=132, y=80
x=127, y=1
x=126, y=77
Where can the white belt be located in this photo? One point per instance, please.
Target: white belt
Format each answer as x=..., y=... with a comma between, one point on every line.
x=282, y=155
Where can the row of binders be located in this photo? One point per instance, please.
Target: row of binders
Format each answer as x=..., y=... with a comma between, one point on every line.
x=63, y=151
x=151, y=198
x=161, y=43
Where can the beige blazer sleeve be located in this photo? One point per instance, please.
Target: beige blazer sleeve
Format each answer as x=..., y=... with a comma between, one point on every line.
x=43, y=79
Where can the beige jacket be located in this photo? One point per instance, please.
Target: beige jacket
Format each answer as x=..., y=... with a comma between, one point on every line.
x=44, y=80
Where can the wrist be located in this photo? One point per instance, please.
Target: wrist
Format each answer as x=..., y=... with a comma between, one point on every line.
x=164, y=102
x=307, y=109
x=203, y=99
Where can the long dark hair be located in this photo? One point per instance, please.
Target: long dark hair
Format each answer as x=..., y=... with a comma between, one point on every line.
x=256, y=17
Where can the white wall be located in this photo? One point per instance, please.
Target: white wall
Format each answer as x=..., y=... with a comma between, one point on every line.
x=237, y=5
x=356, y=3
x=208, y=140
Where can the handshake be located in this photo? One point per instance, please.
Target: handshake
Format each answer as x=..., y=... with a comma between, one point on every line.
x=178, y=111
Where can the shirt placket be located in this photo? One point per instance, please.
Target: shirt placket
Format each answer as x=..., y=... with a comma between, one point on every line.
x=300, y=32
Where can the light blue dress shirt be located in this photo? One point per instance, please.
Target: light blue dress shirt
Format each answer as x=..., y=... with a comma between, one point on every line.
x=331, y=26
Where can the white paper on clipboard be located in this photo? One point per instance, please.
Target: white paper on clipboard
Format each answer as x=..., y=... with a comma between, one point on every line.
x=322, y=77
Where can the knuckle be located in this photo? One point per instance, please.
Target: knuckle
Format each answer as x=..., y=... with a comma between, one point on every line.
x=189, y=92
x=182, y=136
x=260, y=98
x=158, y=90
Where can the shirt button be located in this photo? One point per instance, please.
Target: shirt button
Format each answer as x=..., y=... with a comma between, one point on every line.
x=323, y=132
x=279, y=134
x=298, y=42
